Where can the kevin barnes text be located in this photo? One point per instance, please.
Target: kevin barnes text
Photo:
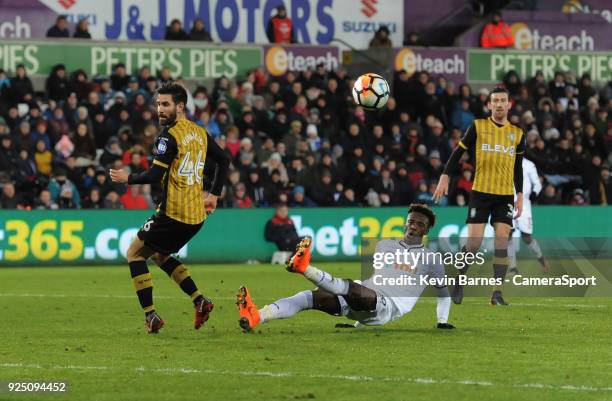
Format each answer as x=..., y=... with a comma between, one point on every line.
x=425, y=280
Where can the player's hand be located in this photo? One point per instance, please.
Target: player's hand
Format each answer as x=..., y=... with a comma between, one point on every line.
x=442, y=188
x=210, y=203
x=518, y=205
x=445, y=326
x=119, y=176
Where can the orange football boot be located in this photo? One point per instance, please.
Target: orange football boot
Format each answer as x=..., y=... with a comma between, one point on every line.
x=249, y=314
x=301, y=259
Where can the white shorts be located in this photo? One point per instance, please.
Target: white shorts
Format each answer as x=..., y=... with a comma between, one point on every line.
x=383, y=314
x=524, y=223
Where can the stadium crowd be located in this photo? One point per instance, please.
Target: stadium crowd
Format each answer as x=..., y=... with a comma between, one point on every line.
x=298, y=140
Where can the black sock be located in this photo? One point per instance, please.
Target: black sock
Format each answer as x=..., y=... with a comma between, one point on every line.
x=500, y=264
x=143, y=284
x=179, y=273
x=463, y=271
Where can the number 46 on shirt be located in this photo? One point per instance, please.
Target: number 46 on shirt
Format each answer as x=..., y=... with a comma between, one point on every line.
x=193, y=170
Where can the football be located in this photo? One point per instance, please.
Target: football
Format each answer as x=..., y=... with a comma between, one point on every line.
x=371, y=91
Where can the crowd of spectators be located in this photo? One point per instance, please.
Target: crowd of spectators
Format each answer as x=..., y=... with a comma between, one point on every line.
x=298, y=140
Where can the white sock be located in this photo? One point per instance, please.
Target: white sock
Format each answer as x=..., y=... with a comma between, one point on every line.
x=326, y=281
x=535, y=247
x=512, y=245
x=286, y=307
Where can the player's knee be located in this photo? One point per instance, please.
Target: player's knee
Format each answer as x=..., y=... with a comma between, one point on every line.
x=159, y=259
x=360, y=298
x=137, y=251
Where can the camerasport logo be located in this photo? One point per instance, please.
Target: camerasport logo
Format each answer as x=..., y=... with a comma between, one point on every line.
x=369, y=8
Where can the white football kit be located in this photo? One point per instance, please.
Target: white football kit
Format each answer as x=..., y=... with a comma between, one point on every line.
x=531, y=183
x=397, y=299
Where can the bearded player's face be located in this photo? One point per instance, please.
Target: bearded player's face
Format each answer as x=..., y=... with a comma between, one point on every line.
x=166, y=109
x=499, y=104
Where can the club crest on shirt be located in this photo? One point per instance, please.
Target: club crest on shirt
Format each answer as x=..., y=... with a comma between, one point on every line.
x=511, y=137
x=161, y=147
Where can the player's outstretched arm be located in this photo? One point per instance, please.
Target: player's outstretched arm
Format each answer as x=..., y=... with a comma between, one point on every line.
x=154, y=174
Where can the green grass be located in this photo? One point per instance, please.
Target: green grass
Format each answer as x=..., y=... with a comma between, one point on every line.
x=84, y=325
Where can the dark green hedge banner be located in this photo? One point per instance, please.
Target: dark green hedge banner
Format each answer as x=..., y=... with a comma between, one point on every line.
x=102, y=237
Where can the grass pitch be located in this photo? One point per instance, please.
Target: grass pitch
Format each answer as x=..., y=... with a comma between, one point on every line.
x=84, y=325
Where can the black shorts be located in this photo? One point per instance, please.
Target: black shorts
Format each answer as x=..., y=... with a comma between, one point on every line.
x=482, y=205
x=166, y=235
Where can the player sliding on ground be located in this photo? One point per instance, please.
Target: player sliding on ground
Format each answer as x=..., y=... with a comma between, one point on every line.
x=368, y=303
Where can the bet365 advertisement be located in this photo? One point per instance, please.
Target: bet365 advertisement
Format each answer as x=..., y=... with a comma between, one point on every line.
x=237, y=235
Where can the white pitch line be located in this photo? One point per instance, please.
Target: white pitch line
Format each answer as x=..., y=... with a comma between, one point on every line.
x=417, y=380
x=117, y=296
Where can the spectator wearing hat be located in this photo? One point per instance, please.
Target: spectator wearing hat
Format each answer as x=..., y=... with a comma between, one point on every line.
x=63, y=191
x=496, y=34
x=56, y=85
x=578, y=197
x=312, y=138
x=381, y=38
x=280, y=27
x=112, y=152
x=299, y=198
x=60, y=29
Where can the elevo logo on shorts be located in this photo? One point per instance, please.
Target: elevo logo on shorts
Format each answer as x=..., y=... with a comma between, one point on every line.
x=279, y=60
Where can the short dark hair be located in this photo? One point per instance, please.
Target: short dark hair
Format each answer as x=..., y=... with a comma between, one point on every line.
x=177, y=91
x=423, y=209
x=498, y=89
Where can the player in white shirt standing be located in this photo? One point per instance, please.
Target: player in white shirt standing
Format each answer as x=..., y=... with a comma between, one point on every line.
x=524, y=224
x=369, y=303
